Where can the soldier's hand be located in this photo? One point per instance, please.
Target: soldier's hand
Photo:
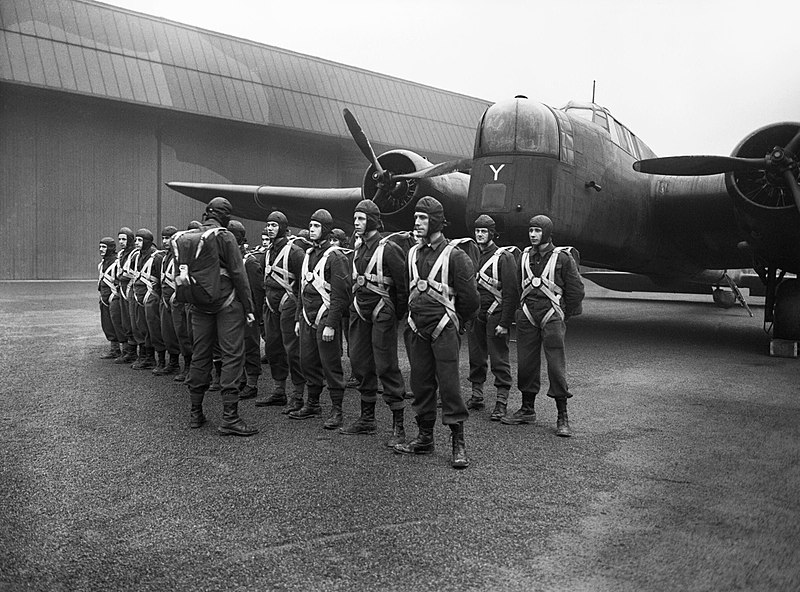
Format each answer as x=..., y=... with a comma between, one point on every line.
x=328, y=333
x=500, y=331
x=250, y=319
x=297, y=328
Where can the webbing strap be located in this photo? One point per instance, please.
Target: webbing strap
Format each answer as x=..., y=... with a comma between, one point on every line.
x=374, y=280
x=439, y=290
x=147, y=279
x=317, y=279
x=545, y=284
x=279, y=272
x=168, y=277
x=108, y=276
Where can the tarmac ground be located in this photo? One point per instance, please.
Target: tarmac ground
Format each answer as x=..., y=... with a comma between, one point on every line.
x=683, y=473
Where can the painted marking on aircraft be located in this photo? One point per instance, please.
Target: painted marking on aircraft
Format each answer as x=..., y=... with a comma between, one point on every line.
x=496, y=171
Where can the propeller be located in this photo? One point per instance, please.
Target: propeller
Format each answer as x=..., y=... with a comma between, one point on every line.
x=386, y=180
x=438, y=169
x=780, y=163
x=382, y=177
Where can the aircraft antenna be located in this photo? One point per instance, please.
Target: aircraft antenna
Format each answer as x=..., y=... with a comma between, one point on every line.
x=593, y=85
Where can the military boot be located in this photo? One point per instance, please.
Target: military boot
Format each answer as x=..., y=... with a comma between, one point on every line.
x=161, y=363
x=309, y=410
x=277, y=398
x=139, y=364
x=129, y=355
x=215, y=384
x=459, y=459
x=196, y=418
x=232, y=424
x=170, y=367
x=562, y=423
x=112, y=352
x=250, y=389
x=476, y=400
x=524, y=414
x=181, y=375
x=499, y=411
x=398, y=430
x=365, y=424
x=296, y=404
x=423, y=443
x=335, y=417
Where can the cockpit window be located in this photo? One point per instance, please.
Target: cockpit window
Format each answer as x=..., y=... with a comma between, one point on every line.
x=587, y=114
x=518, y=126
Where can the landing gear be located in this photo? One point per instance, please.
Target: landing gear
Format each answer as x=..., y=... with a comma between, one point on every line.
x=781, y=312
x=786, y=323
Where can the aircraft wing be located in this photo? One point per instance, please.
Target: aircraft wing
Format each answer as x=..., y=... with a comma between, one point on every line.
x=255, y=202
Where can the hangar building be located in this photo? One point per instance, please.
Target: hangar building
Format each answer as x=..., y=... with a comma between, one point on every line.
x=100, y=106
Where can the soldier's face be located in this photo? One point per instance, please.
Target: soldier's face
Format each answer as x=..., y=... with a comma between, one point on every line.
x=421, y=224
x=535, y=235
x=482, y=236
x=272, y=231
x=314, y=230
x=122, y=241
x=165, y=242
x=138, y=242
x=103, y=249
x=360, y=223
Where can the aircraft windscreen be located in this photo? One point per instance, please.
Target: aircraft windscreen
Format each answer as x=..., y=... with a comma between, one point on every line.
x=518, y=126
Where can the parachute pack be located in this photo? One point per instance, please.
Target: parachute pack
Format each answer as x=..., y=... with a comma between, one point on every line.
x=199, y=272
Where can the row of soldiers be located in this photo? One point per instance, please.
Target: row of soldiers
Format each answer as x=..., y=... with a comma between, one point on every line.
x=308, y=297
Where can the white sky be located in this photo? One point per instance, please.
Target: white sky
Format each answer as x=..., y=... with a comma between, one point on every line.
x=686, y=76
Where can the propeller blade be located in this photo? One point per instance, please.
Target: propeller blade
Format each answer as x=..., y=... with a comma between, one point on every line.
x=794, y=187
x=361, y=139
x=794, y=145
x=436, y=170
x=690, y=166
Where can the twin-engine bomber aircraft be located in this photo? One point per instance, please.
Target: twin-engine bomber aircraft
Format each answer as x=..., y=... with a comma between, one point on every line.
x=672, y=222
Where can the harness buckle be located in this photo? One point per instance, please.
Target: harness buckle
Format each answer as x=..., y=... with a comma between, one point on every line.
x=361, y=280
x=422, y=285
x=267, y=268
x=536, y=282
x=309, y=276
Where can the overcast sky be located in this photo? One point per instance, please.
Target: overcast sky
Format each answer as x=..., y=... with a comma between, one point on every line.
x=686, y=76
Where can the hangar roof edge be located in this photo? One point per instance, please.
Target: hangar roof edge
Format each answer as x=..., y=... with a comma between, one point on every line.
x=91, y=48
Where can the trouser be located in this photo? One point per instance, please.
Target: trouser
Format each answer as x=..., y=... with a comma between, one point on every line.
x=120, y=316
x=180, y=322
x=168, y=333
x=106, y=324
x=282, y=345
x=530, y=342
x=139, y=323
x=252, y=350
x=434, y=364
x=132, y=315
x=373, y=355
x=224, y=329
x=483, y=344
x=320, y=359
x=152, y=313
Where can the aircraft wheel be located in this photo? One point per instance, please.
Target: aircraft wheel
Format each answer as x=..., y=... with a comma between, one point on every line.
x=723, y=298
x=787, y=311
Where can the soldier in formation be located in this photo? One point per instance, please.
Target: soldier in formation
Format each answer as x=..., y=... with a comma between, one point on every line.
x=204, y=292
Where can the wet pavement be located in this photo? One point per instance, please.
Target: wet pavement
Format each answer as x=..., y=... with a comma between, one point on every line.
x=683, y=472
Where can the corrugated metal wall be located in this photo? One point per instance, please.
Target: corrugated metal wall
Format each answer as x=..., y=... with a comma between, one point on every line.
x=73, y=170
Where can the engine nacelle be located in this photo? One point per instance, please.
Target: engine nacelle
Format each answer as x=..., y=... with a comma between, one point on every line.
x=764, y=204
x=397, y=208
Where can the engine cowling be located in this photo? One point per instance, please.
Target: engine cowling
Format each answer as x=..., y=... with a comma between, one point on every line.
x=397, y=207
x=764, y=204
